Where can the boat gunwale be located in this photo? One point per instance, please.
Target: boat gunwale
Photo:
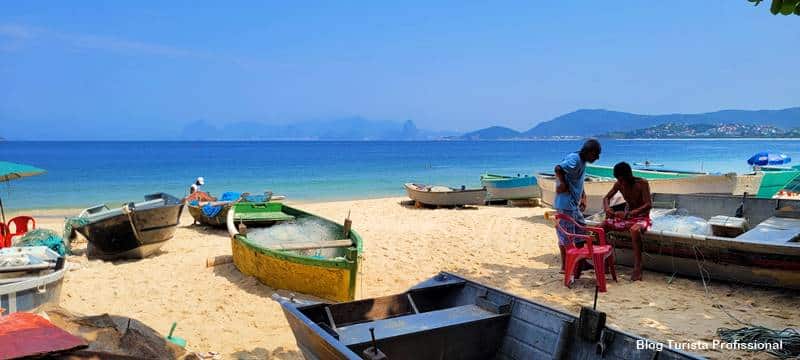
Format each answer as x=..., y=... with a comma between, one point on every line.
x=303, y=259
x=295, y=310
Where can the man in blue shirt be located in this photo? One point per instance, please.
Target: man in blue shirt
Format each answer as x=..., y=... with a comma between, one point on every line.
x=570, y=198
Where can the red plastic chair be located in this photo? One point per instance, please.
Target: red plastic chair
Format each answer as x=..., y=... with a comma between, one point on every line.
x=5, y=236
x=601, y=254
x=20, y=226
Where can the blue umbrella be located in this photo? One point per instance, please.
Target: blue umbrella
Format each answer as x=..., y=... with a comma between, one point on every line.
x=10, y=171
x=769, y=158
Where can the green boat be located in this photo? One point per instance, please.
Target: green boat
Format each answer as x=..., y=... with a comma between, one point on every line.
x=322, y=267
x=765, y=182
x=649, y=174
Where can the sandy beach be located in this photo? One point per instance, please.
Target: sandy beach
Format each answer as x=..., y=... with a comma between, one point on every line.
x=512, y=248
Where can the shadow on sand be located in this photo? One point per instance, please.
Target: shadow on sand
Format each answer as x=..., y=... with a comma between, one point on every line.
x=261, y=353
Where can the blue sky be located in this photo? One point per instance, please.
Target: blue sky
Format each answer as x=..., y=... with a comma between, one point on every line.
x=128, y=69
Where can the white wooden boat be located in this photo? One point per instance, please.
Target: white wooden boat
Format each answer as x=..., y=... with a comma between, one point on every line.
x=597, y=188
x=445, y=196
x=30, y=277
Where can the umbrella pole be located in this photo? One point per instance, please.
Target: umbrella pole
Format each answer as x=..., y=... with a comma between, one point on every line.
x=2, y=211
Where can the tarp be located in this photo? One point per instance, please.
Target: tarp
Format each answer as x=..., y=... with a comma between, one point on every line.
x=11, y=171
x=26, y=334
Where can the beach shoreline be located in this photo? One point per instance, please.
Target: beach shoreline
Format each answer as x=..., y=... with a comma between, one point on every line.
x=510, y=248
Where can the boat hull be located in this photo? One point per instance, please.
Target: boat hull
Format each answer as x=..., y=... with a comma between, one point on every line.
x=447, y=198
x=216, y=221
x=764, y=263
x=449, y=317
x=327, y=278
x=596, y=190
x=132, y=234
x=510, y=188
x=32, y=295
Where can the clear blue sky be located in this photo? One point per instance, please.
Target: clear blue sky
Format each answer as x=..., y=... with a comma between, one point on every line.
x=123, y=69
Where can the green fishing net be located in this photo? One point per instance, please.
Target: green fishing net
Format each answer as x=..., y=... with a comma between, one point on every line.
x=44, y=237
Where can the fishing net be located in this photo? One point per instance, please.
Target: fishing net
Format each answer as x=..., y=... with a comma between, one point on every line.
x=44, y=237
x=789, y=339
x=72, y=223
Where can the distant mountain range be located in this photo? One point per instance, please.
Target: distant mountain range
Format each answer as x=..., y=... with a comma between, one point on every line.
x=583, y=123
x=353, y=128
x=677, y=130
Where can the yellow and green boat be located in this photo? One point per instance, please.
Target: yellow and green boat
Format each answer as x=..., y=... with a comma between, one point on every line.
x=287, y=248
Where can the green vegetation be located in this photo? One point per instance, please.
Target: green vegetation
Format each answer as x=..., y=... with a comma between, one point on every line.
x=783, y=7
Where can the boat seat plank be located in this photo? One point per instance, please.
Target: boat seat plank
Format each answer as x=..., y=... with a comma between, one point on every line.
x=311, y=245
x=774, y=230
x=403, y=325
x=263, y=216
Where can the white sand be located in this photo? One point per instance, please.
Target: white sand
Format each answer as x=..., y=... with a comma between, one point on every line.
x=218, y=309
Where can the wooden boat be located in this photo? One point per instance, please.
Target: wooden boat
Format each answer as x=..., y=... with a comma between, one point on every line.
x=445, y=196
x=449, y=317
x=134, y=231
x=323, y=268
x=30, y=277
x=501, y=187
x=760, y=248
x=200, y=210
x=597, y=188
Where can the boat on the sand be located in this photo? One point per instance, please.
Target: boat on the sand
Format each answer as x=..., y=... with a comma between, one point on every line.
x=30, y=277
x=310, y=254
x=449, y=317
x=215, y=212
x=132, y=231
x=444, y=196
x=751, y=240
x=500, y=187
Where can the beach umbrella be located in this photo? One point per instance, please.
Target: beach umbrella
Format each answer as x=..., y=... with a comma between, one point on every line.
x=769, y=158
x=10, y=171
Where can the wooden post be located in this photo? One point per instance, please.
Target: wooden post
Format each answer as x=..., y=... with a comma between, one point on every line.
x=347, y=225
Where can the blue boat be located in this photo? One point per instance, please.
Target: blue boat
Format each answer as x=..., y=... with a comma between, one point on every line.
x=520, y=187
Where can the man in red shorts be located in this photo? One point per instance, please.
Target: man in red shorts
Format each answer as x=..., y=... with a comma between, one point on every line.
x=636, y=216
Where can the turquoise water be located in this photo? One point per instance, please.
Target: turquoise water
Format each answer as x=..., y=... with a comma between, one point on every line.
x=86, y=173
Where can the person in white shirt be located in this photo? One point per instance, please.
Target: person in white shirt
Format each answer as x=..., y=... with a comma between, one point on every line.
x=196, y=186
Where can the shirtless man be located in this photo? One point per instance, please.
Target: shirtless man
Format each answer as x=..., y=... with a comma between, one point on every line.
x=636, y=216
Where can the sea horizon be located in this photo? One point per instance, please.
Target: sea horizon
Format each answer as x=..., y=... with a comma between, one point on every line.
x=85, y=173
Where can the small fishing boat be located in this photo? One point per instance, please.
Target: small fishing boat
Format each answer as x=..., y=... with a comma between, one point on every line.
x=518, y=187
x=760, y=246
x=449, y=317
x=133, y=231
x=320, y=257
x=597, y=187
x=215, y=212
x=445, y=196
x=30, y=277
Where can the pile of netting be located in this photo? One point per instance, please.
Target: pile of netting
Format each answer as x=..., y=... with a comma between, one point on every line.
x=72, y=223
x=44, y=237
x=789, y=339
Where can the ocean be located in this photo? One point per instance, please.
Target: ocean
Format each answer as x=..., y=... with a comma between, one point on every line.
x=80, y=174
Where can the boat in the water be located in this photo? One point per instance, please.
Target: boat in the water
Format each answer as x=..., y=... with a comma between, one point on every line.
x=449, y=317
x=445, y=196
x=30, y=277
x=748, y=240
x=133, y=231
x=500, y=187
x=215, y=212
x=310, y=254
